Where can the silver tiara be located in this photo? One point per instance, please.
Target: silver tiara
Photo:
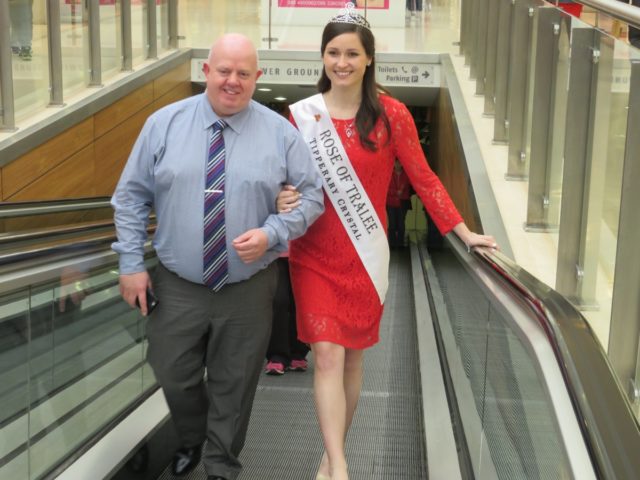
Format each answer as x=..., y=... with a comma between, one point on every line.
x=348, y=15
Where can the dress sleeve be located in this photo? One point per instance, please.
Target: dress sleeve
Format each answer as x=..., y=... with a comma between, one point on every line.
x=427, y=185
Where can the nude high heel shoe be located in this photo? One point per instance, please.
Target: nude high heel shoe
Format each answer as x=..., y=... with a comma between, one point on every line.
x=322, y=477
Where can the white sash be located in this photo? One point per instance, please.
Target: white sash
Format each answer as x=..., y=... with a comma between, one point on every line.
x=344, y=189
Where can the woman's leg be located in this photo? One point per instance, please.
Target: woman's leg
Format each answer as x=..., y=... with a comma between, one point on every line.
x=352, y=382
x=331, y=405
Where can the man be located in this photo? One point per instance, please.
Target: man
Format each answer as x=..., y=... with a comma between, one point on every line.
x=215, y=303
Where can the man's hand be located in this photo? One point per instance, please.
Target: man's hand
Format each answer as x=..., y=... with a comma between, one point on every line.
x=251, y=245
x=134, y=286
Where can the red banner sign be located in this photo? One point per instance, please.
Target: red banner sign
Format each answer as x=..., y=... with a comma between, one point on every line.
x=380, y=4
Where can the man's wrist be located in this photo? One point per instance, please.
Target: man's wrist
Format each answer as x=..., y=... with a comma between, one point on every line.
x=131, y=263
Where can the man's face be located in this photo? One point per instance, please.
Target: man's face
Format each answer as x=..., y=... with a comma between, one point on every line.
x=231, y=75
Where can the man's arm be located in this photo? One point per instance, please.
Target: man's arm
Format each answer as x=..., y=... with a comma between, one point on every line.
x=132, y=202
x=304, y=176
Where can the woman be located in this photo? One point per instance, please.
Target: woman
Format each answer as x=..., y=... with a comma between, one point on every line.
x=353, y=130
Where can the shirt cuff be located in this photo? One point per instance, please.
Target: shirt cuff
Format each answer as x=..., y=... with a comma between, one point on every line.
x=131, y=263
x=272, y=236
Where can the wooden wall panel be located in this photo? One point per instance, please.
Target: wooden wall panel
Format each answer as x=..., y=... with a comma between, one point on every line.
x=70, y=179
x=88, y=158
x=107, y=118
x=178, y=93
x=112, y=151
x=16, y=175
x=448, y=161
x=172, y=79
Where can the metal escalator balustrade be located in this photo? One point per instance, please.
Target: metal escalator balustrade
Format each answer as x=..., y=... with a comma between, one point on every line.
x=535, y=392
x=72, y=356
x=32, y=230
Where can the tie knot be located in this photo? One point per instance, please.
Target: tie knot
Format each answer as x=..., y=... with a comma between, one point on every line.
x=219, y=125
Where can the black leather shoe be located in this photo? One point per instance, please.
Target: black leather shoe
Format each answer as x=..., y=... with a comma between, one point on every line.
x=185, y=460
x=213, y=477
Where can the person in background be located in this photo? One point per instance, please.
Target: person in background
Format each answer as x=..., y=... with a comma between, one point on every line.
x=339, y=268
x=194, y=163
x=285, y=351
x=398, y=204
x=414, y=6
x=634, y=33
x=21, y=17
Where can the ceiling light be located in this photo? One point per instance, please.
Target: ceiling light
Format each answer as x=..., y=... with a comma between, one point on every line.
x=280, y=99
x=264, y=89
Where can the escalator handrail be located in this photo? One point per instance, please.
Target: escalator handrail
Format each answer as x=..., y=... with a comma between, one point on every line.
x=46, y=268
x=76, y=228
x=24, y=209
x=609, y=426
x=620, y=10
x=11, y=262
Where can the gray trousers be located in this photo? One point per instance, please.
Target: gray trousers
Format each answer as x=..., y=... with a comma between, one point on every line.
x=21, y=15
x=207, y=350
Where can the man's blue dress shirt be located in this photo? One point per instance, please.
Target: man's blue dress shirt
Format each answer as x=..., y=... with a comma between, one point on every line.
x=166, y=172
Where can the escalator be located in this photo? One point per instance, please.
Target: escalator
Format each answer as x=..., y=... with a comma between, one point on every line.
x=481, y=372
x=72, y=353
x=532, y=393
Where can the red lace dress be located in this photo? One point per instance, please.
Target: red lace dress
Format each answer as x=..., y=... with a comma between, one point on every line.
x=335, y=298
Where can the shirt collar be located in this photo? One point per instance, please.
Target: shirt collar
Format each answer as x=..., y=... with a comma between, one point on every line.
x=209, y=117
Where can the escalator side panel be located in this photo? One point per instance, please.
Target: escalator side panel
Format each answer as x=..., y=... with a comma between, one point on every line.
x=518, y=423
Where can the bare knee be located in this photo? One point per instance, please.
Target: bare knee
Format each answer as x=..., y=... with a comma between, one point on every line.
x=328, y=357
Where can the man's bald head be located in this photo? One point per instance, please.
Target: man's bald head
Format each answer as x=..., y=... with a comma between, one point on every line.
x=231, y=72
x=235, y=42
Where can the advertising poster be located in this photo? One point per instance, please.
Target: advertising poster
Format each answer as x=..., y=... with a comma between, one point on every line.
x=379, y=4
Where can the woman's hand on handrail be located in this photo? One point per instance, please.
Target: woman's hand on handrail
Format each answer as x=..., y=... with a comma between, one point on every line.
x=472, y=239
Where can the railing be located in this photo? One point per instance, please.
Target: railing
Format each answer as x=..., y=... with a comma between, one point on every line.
x=74, y=45
x=567, y=104
x=73, y=359
x=72, y=352
x=25, y=209
x=64, y=227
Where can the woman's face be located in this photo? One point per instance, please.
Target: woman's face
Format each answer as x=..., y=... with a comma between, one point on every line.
x=345, y=60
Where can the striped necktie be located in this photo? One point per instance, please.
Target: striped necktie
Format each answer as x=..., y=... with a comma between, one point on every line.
x=215, y=271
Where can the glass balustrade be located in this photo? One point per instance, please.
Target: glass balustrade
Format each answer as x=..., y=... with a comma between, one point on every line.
x=72, y=359
x=139, y=31
x=74, y=30
x=30, y=56
x=567, y=94
x=516, y=417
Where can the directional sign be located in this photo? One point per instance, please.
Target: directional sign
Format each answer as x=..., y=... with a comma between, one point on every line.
x=408, y=74
x=305, y=72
